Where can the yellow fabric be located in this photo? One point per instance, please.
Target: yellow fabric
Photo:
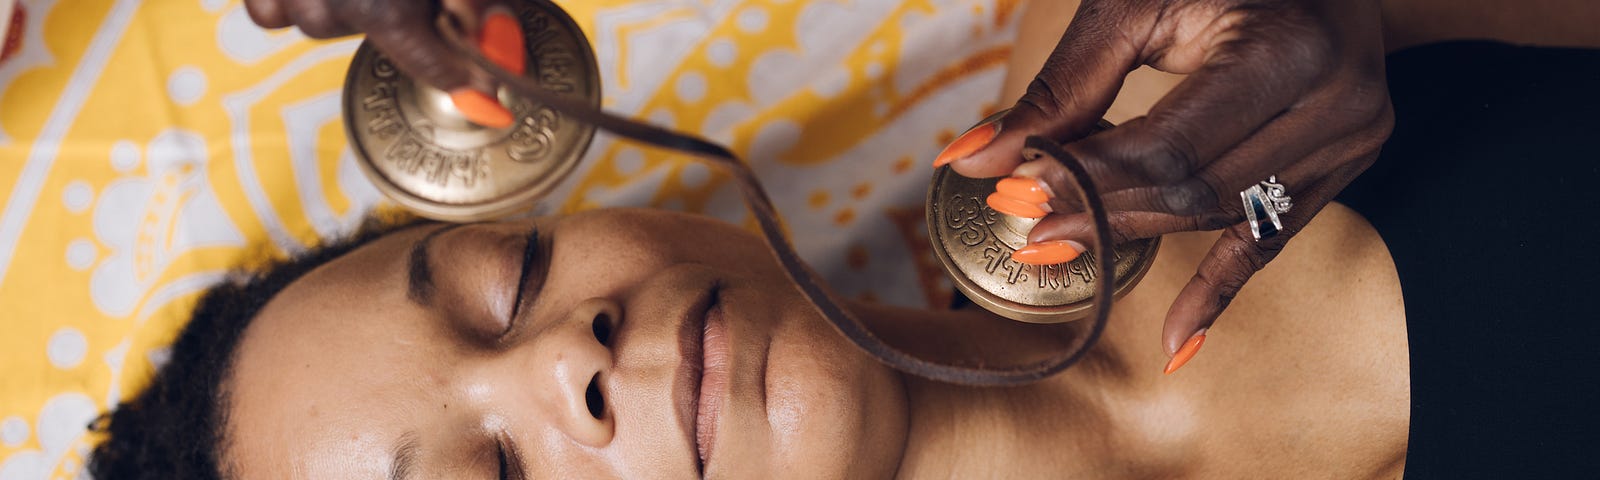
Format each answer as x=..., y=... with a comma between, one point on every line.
x=148, y=146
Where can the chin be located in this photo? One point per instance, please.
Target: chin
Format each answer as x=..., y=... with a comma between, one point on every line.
x=843, y=413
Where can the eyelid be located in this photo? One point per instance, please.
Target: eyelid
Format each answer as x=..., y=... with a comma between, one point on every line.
x=510, y=459
x=530, y=254
x=500, y=446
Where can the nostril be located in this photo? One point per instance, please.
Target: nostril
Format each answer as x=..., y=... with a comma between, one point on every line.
x=602, y=329
x=597, y=404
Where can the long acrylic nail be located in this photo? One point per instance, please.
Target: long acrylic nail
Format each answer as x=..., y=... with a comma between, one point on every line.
x=1187, y=351
x=967, y=143
x=1048, y=253
x=481, y=108
x=500, y=40
x=1029, y=190
x=1017, y=208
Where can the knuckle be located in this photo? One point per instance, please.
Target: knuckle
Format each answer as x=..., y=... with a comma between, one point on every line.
x=1383, y=122
x=1167, y=158
x=1122, y=229
x=1060, y=88
x=1189, y=197
x=1047, y=95
x=1363, y=101
x=1226, y=285
x=1215, y=221
x=1244, y=260
x=1365, y=144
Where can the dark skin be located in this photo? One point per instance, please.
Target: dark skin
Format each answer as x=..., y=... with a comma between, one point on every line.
x=1292, y=88
x=345, y=374
x=404, y=30
x=1196, y=87
x=1287, y=88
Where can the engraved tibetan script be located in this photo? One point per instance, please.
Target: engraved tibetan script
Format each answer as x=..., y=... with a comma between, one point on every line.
x=534, y=138
x=438, y=166
x=971, y=219
x=973, y=223
x=554, y=61
x=382, y=102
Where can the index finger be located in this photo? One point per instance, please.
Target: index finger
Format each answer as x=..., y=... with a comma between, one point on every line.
x=1067, y=97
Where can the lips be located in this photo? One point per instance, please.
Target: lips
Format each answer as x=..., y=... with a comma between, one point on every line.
x=699, y=390
x=716, y=351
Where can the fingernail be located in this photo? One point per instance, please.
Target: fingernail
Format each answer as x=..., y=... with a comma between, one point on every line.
x=1017, y=208
x=967, y=143
x=1048, y=253
x=1029, y=190
x=481, y=108
x=1187, y=351
x=500, y=40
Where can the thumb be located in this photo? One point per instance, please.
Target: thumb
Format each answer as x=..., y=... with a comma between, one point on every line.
x=1065, y=100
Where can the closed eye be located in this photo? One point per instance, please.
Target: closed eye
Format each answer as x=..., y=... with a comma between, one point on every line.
x=505, y=470
x=529, y=252
x=511, y=467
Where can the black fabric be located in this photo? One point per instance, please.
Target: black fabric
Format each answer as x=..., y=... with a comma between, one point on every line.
x=1488, y=196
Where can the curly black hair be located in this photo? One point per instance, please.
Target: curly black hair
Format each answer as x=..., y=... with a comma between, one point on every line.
x=173, y=429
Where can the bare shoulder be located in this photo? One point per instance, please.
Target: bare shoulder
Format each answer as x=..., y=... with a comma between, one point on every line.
x=1309, y=363
x=1321, y=331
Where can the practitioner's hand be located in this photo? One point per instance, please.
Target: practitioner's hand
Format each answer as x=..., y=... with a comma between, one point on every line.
x=1292, y=88
x=407, y=33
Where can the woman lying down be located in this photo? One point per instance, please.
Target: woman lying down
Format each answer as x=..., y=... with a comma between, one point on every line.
x=625, y=343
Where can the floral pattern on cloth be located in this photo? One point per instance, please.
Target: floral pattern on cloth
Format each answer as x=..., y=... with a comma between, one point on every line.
x=147, y=147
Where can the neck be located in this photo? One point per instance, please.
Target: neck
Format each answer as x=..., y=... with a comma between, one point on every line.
x=961, y=431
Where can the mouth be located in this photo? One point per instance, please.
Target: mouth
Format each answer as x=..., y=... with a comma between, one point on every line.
x=703, y=373
x=717, y=353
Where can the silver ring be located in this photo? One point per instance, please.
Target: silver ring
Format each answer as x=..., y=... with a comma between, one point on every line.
x=1265, y=201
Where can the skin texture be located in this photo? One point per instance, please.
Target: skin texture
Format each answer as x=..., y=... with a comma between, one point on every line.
x=1287, y=88
x=341, y=366
x=1251, y=89
x=1304, y=376
x=404, y=30
x=1228, y=93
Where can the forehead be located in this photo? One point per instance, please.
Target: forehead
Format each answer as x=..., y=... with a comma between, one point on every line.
x=327, y=374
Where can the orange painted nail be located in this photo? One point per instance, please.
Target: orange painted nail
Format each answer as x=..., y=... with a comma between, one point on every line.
x=1187, y=351
x=1022, y=188
x=967, y=143
x=1017, y=208
x=1047, y=253
x=500, y=40
x=481, y=108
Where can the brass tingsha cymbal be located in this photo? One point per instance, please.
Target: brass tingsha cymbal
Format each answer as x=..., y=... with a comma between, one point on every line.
x=421, y=152
x=974, y=243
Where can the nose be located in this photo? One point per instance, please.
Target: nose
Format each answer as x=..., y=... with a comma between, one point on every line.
x=580, y=349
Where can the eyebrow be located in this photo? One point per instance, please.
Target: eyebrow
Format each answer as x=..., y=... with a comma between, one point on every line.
x=405, y=457
x=419, y=284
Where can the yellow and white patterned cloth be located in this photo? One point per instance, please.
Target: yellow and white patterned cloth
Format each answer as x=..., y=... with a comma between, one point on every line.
x=148, y=146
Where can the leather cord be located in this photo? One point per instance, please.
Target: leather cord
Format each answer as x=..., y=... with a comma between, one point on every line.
x=812, y=286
